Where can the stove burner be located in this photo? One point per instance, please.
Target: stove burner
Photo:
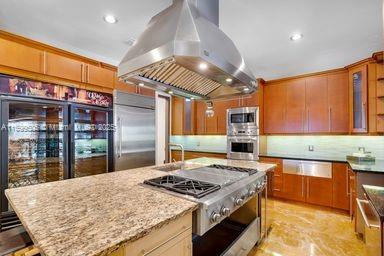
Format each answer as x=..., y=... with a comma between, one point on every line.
x=184, y=186
x=233, y=168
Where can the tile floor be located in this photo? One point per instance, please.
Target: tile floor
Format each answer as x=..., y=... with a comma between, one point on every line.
x=304, y=230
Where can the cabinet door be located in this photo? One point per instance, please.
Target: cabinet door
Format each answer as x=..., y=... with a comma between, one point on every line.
x=251, y=100
x=60, y=66
x=177, y=115
x=146, y=91
x=340, y=186
x=189, y=117
x=316, y=95
x=211, y=124
x=338, y=102
x=274, y=108
x=100, y=76
x=294, y=187
x=121, y=86
x=358, y=99
x=295, y=108
x=200, y=117
x=319, y=191
x=221, y=107
x=20, y=56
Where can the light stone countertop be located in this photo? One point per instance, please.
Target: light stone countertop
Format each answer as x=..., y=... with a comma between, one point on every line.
x=95, y=215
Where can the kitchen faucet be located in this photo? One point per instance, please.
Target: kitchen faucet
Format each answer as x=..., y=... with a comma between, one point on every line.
x=181, y=148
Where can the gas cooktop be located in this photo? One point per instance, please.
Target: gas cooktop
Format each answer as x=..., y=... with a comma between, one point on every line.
x=183, y=185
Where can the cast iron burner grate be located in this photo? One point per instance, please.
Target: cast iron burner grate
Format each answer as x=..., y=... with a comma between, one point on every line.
x=184, y=186
x=233, y=168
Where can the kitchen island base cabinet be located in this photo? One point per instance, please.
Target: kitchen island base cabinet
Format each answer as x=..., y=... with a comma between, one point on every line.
x=172, y=239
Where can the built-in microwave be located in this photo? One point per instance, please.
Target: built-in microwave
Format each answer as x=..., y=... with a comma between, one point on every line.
x=246, y=117
x=243, y=147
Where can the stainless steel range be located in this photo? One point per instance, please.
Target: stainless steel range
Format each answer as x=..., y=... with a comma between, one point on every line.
x=220, y=191
x=243, y=133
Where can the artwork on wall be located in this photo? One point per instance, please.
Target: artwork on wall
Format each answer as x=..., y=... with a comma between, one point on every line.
x=23, y=87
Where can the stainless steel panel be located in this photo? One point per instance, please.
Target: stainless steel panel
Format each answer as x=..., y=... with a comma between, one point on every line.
x=308, y=168
x=134, y=138
x=133, y=100
x=246, y=241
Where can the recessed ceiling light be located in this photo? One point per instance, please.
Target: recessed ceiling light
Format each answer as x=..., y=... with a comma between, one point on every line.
x=110, y=19
x=246, y=89
x=296, y=37
x=228, y=80
x=141, y=84
x=203, y=65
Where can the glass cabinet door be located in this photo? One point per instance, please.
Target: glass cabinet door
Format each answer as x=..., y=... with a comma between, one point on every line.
x=35, y=148
x=90, y=142
x=358, y=78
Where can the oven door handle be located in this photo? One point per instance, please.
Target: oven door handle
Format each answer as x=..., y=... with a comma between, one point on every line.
x=360, y=205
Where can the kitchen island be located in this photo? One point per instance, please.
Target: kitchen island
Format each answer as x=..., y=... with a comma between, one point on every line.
x=102, y=214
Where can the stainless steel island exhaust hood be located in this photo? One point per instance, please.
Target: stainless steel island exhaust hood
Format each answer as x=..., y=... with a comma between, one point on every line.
x=183, y=50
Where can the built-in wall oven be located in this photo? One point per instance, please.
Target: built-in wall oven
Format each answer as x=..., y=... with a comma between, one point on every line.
x=243, y=133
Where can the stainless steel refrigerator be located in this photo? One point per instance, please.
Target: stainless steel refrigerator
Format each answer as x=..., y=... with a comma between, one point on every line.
x=134, y=138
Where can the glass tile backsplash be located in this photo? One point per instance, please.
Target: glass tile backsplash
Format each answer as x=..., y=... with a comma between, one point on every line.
x=323, y=146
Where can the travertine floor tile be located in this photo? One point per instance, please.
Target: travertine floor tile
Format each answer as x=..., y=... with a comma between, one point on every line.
x=300, y=229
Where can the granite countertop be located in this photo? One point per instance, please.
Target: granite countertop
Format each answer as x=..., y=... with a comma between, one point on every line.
x=376, y=197
x=374, y=167
x=95, y=215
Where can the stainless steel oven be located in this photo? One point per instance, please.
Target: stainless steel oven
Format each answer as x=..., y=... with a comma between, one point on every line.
x=242, y=118
x=243, y=147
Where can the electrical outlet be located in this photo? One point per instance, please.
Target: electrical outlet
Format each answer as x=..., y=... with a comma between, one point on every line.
x=311, y=148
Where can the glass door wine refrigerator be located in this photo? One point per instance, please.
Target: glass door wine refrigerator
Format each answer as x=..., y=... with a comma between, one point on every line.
x=47, y=140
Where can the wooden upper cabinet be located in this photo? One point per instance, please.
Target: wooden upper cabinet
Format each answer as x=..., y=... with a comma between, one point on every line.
x=122, y=86
x=221, y=107
x=338, y=102
x=63, y=67
x=358, y=99
x=177, y=115
x=295, y=106
x=200, y=117
x=251, y=100
x=316, y=95
x=146, y=91
x=100, y=76
x=20, y=56
x=274, y=108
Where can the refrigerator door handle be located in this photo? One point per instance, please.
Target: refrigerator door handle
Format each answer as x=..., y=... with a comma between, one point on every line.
x=120, y=136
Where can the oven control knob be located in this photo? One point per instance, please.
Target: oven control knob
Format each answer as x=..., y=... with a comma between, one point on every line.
x=225, y=211
x=251, y=192
x=215, y=216
x=239, y=201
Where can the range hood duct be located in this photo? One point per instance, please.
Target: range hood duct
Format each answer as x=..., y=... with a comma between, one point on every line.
x=183, y=50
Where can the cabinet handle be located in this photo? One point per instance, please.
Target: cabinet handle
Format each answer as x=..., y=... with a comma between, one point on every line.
x=364, y=115
x=307, y=189
x=88, y=73
x=308, y=128
x=302, y=120
x=330, y=118
x=302, y=186
x=347, y=183
x=276, y=189
x=363, y=214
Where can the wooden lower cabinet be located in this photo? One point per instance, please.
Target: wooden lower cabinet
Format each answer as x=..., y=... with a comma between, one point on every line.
x=318, y=191
x=176, y=155
x=293, y=187
x=172, y=239
x=340, y=186
x=275, y=181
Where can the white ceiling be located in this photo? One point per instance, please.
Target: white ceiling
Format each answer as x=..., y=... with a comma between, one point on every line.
x=336, y=32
